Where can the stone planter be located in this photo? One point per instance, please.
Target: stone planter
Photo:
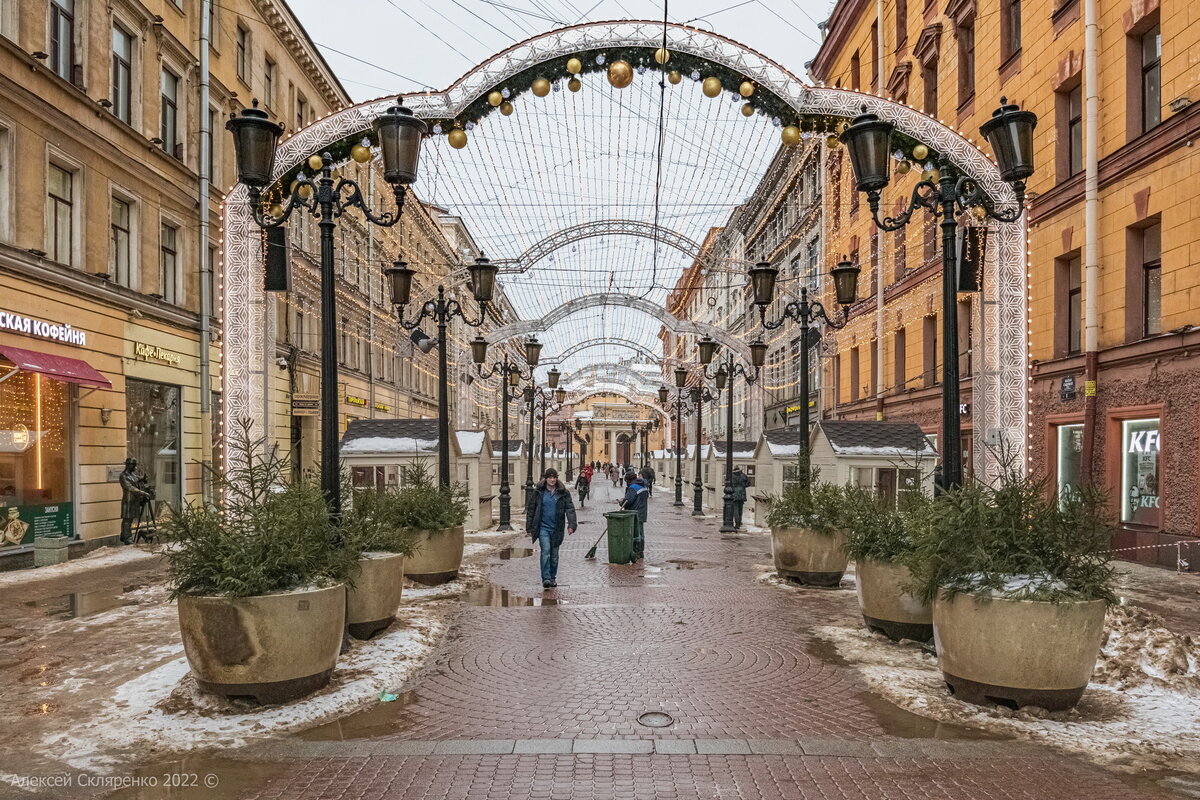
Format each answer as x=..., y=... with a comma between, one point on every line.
x=273, y=648
x=886, y=607
x=810, y=557
x=371, y=603
x=48, y=550
x=438, y=557
x=1017, y=652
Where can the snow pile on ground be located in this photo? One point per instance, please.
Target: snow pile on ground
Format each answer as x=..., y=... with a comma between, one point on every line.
x=772, y=578
x=469, y=577
x=1012, y=587
x=163, y=710
x=99, y=558
x=1139, y=712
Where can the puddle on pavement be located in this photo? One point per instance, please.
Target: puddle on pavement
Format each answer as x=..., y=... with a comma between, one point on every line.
x=78, y=605
x=381, y=719
x=895, y=721
x=509, y=553
x=499, y=597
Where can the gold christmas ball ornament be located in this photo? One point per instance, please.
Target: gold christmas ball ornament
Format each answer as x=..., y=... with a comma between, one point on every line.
x=790, y=135
x=276, y=211
x=832, y=140
x=674, y=77
x=746, y=89
x=458, y=138
x=541, y=87
x=932, y=175
x=574, y=84
x=843, y=126
x=506, y=108
x=315, y=163
x=305, y=192
x=920, y=152
x=495, y=98
x=747, y=110
x=979, y=212
x=662, y=55
x=574, y=66
x=712, y=86
x=620, y=74
x=903, y=167
x=360, y=153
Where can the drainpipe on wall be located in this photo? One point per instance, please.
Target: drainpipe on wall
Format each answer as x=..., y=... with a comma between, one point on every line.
x=206, y=267
x=879, y=238
x=371, y=294
x=1091, y=256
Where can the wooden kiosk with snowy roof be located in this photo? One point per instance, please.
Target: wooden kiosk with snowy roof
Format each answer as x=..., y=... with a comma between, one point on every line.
x=777, y=466
x=516, y=469
x=743, y=456
x=474, y=470
x=890, y=457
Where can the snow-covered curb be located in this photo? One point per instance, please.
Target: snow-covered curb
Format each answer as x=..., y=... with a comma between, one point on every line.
x=773, y=578
x=1139, y=712
x=163, y=710
x=97, y=559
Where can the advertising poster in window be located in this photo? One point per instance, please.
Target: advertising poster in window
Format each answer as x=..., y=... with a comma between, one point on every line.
x=1141, y=445
x=22, y=524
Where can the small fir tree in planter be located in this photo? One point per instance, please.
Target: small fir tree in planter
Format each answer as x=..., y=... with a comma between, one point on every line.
x=435, y=515
x=808, y=532
x=260, y=585
x=1019, y=579
x=881, y=545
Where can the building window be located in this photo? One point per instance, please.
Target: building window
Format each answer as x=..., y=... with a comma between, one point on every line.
x=62, y=39
x=929, y=79
x=1010, y=28
x=853, y=374
x=169, y=124
x=966, y=62
x=1069, y=469
x=1069, y=327
x=1151, y=78
x=875, y=54
x=1152, y=280
x=209, y=167
x=168, y=280
x=854, y=72
x=874, y=380
x=965, y=342
x=899, y=254
x=243, y=53
x=60, y=215
x=899, y=360
x=901, y=23
x=122, y=240
x=301, y=112
x=5, y=182
x=269, y=83
x=1074, y=138
x=1141, y=476
x=929, y=344
x=122, y=74
x=153, y=438
x=36, y=472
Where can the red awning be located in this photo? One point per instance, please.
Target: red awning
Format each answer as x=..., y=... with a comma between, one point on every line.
x=61, y=368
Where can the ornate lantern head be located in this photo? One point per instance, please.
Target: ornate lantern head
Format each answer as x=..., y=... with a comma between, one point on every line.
x=1010, y=133
x=762, y=279
x=400, y=134
x=663, y=395
x=708, y=349
x=868, y=140
x=401, y=278
x=681, y=376
x=254, y=141
x=533, y=352
x=552, y=378
x=758, y=353
x=483, y=279
x=845, y=282
x=560, y=396
x=479, y=347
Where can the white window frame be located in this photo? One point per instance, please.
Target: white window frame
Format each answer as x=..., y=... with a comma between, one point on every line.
x=115, y=191
x=78, y=192
x=132, y=27
x=6, y=179
x=165, y=220
x=166, y=65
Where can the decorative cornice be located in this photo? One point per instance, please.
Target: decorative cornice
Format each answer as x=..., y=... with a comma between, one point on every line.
x=838, y=30
x=897, y=84
x=293, y=35
x=928, y=43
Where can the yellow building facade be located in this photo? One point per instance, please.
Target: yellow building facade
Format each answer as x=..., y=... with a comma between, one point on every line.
x=1140, y=295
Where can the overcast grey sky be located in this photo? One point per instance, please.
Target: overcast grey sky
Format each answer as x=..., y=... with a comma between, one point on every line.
x=412, y=44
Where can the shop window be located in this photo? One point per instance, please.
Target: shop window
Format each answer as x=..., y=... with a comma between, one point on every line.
x=35, y=458
x=1141, y=475
x=62, y=41
x=122, y=74
x=153, y=437
x=1069, y=463
x=60, y=214
x=121, y=228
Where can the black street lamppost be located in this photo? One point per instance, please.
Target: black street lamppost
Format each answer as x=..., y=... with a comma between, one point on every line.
x=700, y=396
x=1010, y=133
x=583, y=441
x=442, y=310
x=510, y=378
x=642, y=436
x=682, y=409
x=727, y=374
x=568, y=431
x=845, y=284
x=255, y=138
x=547, y=402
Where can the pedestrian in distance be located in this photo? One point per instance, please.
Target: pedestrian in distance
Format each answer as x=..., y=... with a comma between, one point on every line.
x=636, y=499
x=583, y=485
x=615, y=474
x=549, y=513
x=648, y=476
x=739, y=481
x=939, y=481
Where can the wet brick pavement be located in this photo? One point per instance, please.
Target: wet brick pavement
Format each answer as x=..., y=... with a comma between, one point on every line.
x=542, y=701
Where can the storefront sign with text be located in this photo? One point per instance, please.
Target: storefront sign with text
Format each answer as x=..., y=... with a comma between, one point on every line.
x=21, y=524
x=42, y=329
x=155, y=353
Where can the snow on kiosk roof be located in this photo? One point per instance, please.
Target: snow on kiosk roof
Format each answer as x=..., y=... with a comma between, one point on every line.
x=391, y=436
x=884, y=439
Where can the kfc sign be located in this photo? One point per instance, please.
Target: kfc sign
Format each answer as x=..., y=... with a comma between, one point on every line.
x=1144, y=442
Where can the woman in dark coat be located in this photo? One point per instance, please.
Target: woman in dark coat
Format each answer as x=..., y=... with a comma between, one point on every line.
x=549, y=513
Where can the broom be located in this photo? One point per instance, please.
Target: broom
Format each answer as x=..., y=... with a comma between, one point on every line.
x=592, y=553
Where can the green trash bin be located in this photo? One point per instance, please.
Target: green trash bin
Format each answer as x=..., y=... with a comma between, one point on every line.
x=621, y=527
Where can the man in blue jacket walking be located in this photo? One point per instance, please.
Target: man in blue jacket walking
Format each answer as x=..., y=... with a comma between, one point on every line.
x=637, y=499
x=548, y=515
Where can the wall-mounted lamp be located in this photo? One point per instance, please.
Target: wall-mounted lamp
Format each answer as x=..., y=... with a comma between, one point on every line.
x=105, y=415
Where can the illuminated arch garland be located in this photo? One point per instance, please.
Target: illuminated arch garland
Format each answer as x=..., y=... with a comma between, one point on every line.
x=1001, y=380
x=611, y=341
